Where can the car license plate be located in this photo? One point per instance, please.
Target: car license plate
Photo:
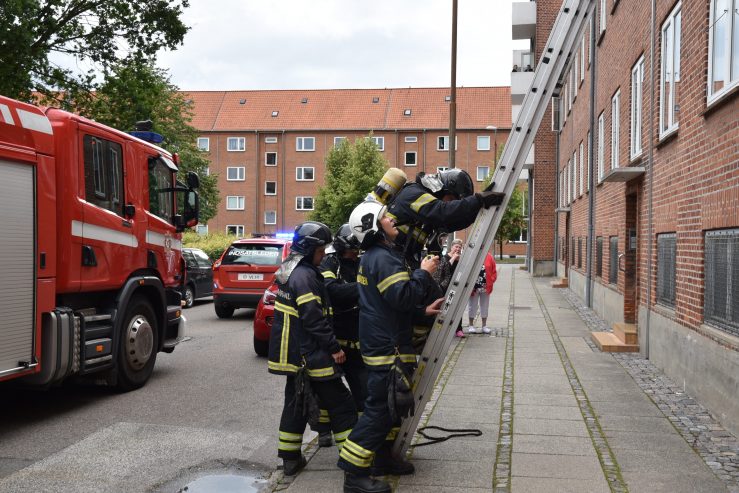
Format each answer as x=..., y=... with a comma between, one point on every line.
x=251, y=277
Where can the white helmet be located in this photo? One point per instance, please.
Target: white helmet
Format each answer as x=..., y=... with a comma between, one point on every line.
x=364, y=221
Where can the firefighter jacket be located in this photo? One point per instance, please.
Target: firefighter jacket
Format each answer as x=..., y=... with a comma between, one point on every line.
x=390, y=295
x=340, y=275
x=302, y=331
x=419, y=215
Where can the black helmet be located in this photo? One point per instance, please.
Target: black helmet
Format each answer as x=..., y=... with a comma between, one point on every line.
x=457, y=182
x=308, y=236
x=344, y=239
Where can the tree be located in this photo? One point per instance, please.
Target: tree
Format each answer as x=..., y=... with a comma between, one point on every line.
x=138, y=91
x=95, y=34
x=513, y=222
x=352, y=171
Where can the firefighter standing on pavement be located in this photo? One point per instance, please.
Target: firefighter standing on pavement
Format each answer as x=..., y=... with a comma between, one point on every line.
x=302, y=340
x=390, y=292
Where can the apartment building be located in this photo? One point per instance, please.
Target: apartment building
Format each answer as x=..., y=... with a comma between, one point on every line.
x=636, y=182
x=269, y=147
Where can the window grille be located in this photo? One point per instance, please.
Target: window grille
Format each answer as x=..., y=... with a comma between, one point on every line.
x=572, y=251
x=666, y=257
x=599, y=256
x=722, y=280
x=613, y=253
x=579, y=252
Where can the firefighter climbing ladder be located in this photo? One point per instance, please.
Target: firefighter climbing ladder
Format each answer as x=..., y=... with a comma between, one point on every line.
x=566, y=30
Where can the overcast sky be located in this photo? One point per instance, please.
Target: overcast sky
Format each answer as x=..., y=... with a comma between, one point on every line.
x=316, y=44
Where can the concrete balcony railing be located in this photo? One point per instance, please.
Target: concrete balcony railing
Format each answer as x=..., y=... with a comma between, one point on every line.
x=524, y=20
x=520, y=85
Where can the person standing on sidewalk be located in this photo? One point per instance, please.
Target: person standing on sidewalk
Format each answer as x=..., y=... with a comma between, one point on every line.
x=302, y=341
x=390, y=293
x=481, y=294
x=443, y=275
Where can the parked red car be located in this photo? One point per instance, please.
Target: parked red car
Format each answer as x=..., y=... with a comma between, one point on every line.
x=244, y=271
x=263, y=320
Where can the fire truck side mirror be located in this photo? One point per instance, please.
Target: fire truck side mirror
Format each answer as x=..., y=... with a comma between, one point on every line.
x=193, y=180
x=129, y=211
x=191, y=209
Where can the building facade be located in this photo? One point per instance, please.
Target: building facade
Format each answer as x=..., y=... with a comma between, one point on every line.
x=636, y=183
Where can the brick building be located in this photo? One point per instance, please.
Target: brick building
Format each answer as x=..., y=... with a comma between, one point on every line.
x=649, y=186
x=269, y=147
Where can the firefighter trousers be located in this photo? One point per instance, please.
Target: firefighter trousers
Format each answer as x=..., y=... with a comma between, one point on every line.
x=355, y=373
x=337, y=400
x=371, y=439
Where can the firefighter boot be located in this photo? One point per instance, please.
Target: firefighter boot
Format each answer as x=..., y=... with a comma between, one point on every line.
x=364, y=484
x=292, y=466
x=325, y=439
x=386, y=464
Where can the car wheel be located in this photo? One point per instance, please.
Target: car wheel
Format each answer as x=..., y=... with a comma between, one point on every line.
x=189, y=296
x=261, y=347
x=138, y=344
x=223, y=311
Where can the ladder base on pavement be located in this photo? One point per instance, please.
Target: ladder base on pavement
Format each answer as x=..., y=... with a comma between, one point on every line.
x=608, y=342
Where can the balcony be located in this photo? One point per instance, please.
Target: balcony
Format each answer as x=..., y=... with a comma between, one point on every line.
x=529, y=163
x=520, y=85
x=524, y=20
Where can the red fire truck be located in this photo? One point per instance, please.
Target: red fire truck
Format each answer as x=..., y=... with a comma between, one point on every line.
x=90, y=245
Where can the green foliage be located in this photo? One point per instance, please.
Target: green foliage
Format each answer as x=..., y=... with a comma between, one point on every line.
x=352, y=171
x=93, y=34
x=213, y=244
x=513, y=219
x=137, y=91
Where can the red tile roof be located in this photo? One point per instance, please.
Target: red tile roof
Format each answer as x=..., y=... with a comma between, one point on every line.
x=349, y=109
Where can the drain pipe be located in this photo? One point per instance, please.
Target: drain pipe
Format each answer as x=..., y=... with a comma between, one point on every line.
x=650, y=177
x=591, y=174
x=556, y=198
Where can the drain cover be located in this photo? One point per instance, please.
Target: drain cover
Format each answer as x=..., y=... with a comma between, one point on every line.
x=224, y=483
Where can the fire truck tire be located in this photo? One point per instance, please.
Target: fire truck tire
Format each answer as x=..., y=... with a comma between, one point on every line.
x=137, y=351
x=189, y=296
x=223, y=311
x=261, y=347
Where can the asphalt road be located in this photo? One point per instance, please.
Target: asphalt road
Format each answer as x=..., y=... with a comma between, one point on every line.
x=210, y=406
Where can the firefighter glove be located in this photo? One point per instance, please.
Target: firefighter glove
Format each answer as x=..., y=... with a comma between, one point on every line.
x=489, y=198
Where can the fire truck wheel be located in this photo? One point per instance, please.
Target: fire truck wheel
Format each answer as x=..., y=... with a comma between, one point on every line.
x=189, y=296
x=223, y=311
x=137, y=351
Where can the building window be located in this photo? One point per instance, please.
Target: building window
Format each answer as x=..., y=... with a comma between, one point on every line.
x=235, y=229
x=561, y=189
x=270, y=159
x=442, y=143
x=270, y=188
x=599, y=256
x=579, y=252
x=236, y=144
x=338, y=141
x=439, y=169
x=411, y=139
x=201, y=229
x=722, y=280
x=483, y=142
x=379, y=142
x=482, y=172
x=235, y=173
x=582, y=59
x=613, y=265
x=603, y=15
x=590, y=36
x=670, y=73
x=576, y=75
x=305, y=144
x=204, y=144
x=410, y=158
x=569, y=181
x=723, y=48
x=637, y=84
x=305, y=173
x=575, y=169
x=601, y=146
x=666, y=266
x=270, y=217
x=270, y=140
x=582, y=168
x=303, y=203
x=235, y=203
x=615, y=128
x=572, y=251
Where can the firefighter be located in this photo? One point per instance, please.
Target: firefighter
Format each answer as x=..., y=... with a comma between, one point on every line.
x=302, y=342
x=436, y=204
x=390, y=292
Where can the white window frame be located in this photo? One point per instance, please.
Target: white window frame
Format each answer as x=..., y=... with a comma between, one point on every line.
x=300, y=144
x=240, y=173
x=603, y=16
x=415, y=158
x=615, y=129
x=240, y=144
x=582, y=59
x=300, y=203
x=379, y=142
x=266, y=155
x=446, y=143
x=266, y=215
x=601, y=146
x=206, y=147
x=591, y=28
x=485, y=174
x=239, y=203
x=266, y=192
x=574, y=177
x=239, y=229
x=576, y=75
x=569, y=181
x=300, y=173
x=201, y=229
x=669, y=68
x=571, y=96
x=410, y=139
x=338, y=141
x=731, y=80
x=270, y=140
x=439, y=169
x=582, y=168
x=483, y=147
x=637, y=90
x=587, y=182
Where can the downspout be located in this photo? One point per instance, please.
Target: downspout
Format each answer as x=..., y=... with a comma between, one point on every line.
x=591, y=174
x=529, y=215
x=650, y=177
x=557, y=192
x=424, y=151
x=281, y=222
x=256, y=180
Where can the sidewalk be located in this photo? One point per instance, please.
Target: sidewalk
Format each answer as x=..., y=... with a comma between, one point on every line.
x=580, y=420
